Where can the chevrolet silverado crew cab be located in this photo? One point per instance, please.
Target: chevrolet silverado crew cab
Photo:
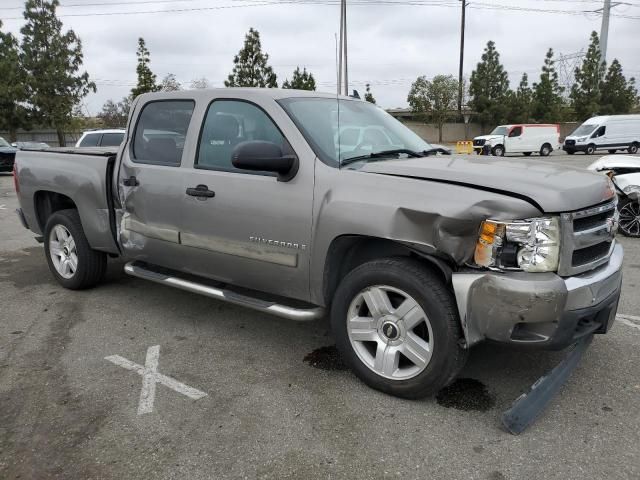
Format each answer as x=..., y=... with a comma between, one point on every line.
x=250, y=197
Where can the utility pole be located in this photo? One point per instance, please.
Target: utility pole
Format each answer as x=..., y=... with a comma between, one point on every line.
x=346, y=62
x=604, y=30
x=343, y=67
x=460, y=72
x=341, y=48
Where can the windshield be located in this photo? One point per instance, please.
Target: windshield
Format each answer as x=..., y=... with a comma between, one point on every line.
x=584, y=129
x=359, y=129
x=500, y=131
x=4, y=143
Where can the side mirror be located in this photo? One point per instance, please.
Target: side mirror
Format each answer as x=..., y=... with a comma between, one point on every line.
x=261, y=156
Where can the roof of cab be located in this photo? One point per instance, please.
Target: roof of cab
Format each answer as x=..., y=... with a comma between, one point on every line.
x=208, y=93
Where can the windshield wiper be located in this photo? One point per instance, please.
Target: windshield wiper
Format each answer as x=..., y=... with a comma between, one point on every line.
x=382, y=154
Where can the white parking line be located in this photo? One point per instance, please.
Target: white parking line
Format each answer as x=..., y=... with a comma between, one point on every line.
x=629, y=320
x=150, y=377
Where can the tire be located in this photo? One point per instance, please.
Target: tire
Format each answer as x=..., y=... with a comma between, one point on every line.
x=591, y=149
x=545, y=150
x=435, y=320
x=527, y=154
x=633, y=148
x=629, y=210
x=64, y=237
x=612, y=151
x=498, y=151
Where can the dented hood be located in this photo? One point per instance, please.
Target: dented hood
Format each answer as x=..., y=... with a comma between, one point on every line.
x=550, y=188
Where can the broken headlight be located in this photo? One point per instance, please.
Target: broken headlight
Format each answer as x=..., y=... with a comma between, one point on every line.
x=531, y=245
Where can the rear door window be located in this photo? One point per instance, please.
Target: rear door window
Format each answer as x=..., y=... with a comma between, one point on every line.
x=111, y=139
x=90, y=140
x=161, y=131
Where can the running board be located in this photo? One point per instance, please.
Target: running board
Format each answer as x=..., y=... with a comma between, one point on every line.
x=290, y=313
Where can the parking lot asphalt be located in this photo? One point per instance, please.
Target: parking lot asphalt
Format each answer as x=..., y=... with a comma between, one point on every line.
x=68, y=412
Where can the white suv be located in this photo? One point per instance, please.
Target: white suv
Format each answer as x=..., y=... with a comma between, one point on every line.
x=111, y=137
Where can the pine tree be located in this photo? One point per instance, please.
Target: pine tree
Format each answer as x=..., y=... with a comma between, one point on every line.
x=170, y=84
x=368, y=96
x=301, y=80
x=434, y=99
x=146, y=78
x=547, y=93
x=520, y=102
x=250, y=67
x=489, y=88
x=585, y=93
x=618, y=95
x=13, y=114
x=51, y=60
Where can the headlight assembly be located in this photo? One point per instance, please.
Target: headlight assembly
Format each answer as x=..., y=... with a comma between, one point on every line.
x=531, y=245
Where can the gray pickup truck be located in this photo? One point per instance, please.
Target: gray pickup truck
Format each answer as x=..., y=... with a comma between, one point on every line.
x=299, y=204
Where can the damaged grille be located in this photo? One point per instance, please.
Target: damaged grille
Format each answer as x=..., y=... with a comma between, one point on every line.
x=587, y=238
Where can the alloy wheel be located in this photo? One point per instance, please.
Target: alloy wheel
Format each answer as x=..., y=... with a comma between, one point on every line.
x=630, y=219
x=63, y=252
x=390, y=332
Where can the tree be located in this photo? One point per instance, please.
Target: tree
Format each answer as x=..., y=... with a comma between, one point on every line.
x=547, y=93
x=51, y=60
x=585, y=93
x=250, y=67
x=301, y=80
x=489, y=87
x=520, y=102
x=436, y=99
x=368, y=96
x=13, y=95
x=146, y=78
x=618, y=95
x=170, y=84
x=115, y=114
x=199, y=84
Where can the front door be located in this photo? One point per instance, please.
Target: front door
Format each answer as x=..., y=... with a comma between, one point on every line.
x=514, y=142
x=251, y=230
x=150, y=183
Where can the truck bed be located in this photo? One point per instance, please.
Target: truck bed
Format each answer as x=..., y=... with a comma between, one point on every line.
x=57, y=176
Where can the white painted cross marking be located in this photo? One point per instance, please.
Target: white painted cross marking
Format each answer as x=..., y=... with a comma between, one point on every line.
x=150, y=377
x=629, y=320
x=2, y=207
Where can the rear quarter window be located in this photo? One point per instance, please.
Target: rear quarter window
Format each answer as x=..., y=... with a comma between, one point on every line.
x=90, y=140
x=161, y=131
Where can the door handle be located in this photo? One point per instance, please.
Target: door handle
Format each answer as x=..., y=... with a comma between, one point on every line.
x=131, y=182
x=201, y=191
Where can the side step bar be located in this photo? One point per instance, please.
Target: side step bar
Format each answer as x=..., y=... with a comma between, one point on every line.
x=283, y=311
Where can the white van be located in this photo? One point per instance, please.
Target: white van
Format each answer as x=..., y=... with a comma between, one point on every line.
x=520, y=138
x=611, y=133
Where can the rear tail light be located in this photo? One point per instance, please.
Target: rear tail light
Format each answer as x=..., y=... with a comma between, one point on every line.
x=16, y=184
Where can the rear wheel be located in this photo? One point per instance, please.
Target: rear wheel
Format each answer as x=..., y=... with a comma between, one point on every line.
x=591, y=149
x=633, y=148
x=71, y=260
x=545, y=151
x=629, y=217
x=498, y=151
x=397, y=327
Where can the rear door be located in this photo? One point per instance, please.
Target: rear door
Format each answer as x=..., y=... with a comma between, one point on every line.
x=150, y=182
x=256, y=230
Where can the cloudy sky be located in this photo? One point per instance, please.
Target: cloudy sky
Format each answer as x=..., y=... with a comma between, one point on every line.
x=391, y=42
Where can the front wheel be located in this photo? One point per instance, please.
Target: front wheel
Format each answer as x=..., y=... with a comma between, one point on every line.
x=71, y=260
x=629, y=217
x=545, y=151
x=633, y=148
x=397, y=327
x=591, y=149
x=498, y=151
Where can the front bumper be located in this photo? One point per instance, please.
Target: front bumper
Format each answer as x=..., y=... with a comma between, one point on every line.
x=574, y=148
x=538, y=309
